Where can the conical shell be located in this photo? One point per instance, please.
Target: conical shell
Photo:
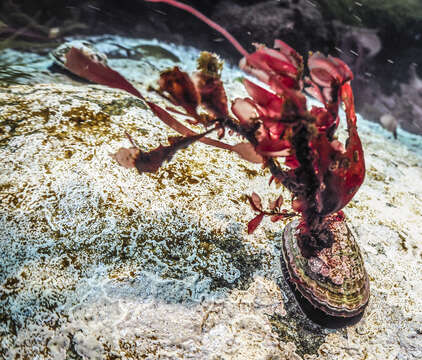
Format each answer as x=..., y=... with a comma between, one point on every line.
x=58, y=55
x=334, y=280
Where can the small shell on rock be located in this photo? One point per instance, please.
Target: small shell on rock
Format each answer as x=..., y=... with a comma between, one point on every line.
x=58, y=55
x=389, y=122
x=332, y=287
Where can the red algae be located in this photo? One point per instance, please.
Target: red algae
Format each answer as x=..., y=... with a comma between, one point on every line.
x=296, y=143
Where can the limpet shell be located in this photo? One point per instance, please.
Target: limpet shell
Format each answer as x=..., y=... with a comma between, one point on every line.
x=332, y=287
x=58, y=55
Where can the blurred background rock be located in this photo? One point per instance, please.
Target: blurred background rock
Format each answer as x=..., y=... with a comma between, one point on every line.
x=381, y=40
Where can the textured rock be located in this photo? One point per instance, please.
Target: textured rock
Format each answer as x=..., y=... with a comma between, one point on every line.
x=101, y=262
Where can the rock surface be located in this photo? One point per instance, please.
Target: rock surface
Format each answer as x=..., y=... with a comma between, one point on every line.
x=101, y=262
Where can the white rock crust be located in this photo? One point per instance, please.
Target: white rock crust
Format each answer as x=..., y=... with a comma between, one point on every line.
x=98, y=260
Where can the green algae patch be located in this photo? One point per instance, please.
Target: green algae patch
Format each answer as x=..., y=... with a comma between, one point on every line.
x=10, y=75
x=26, y=117
x=120, y=106
x=15, y=120
x=157, y=52
x=397, y=13
x=83, y=119
x=376, y=175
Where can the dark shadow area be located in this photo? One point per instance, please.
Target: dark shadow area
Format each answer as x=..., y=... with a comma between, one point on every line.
x=295, y=326
x=318, y=316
